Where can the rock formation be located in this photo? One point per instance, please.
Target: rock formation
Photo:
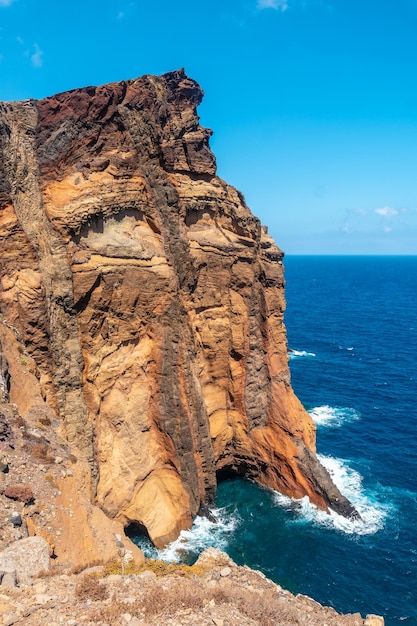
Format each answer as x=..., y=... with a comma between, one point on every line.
x=145, y=303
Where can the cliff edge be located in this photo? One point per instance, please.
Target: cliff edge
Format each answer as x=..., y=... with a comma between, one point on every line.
x=142, y=307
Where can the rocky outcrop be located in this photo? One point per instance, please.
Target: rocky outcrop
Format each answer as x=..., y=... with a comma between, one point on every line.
x=213, y=591
x=148, y=301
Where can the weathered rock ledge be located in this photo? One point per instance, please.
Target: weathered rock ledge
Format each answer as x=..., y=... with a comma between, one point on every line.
x=213, y=592
x=141, y=316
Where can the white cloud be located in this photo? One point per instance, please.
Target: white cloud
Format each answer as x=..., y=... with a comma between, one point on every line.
x=36, y=57
x=387, y=211
x=282, y=5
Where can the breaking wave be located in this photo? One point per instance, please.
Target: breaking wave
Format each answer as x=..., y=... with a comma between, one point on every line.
x=333, y=417
x=295, y=354
x=203, y=534
x=349, y=482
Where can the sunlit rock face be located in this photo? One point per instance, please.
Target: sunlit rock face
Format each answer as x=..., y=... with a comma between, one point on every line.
x=151, y=300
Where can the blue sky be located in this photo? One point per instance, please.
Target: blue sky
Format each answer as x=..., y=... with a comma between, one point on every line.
x=313, y=103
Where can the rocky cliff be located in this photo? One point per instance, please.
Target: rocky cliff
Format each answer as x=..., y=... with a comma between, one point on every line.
x=142, y=306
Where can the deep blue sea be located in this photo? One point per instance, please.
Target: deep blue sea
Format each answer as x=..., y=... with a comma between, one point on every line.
x=352, y=328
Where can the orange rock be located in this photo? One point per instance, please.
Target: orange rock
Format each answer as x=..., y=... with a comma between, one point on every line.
x=151, y=301
x=37, y=531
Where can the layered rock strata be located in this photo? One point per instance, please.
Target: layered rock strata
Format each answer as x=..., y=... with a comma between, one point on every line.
x=150, y=301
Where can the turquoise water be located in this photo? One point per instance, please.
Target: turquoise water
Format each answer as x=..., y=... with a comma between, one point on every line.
x=352, y=327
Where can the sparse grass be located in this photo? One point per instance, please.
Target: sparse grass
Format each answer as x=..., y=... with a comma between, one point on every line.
x=90, y=588
x=158, y=567
x=264, y=608
x=109, y=614
x=179, y=595
x=176, y=595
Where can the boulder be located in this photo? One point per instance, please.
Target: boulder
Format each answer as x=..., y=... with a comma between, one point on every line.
x=26, y=559
x=21, y=493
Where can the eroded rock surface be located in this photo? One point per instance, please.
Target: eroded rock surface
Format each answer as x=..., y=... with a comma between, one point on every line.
x=213, y=592
x=148, y=302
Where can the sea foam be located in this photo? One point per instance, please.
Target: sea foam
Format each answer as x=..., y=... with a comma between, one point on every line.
x=190, y=543
x=295, y=354
x=333, y=417
x=349, y=481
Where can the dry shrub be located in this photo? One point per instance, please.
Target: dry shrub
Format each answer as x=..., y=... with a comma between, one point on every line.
x=89, y=588
x=38, y=447
x=221, y=593
x=264, y=608
x=40, y=451
x=162, y=600
x=109, y=614
x=158, y=567
x=179, y=595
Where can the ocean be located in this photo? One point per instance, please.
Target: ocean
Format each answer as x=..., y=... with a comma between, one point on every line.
x=352, y=331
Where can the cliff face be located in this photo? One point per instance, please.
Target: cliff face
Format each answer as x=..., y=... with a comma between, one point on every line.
x=151, y=302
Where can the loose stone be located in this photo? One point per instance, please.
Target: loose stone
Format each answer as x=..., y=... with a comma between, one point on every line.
x=226, y=571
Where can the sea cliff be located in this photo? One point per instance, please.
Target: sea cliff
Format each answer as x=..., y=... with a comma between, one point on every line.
x=143, y=350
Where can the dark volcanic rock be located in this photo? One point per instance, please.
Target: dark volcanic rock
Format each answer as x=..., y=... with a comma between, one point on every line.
x=6, y=435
